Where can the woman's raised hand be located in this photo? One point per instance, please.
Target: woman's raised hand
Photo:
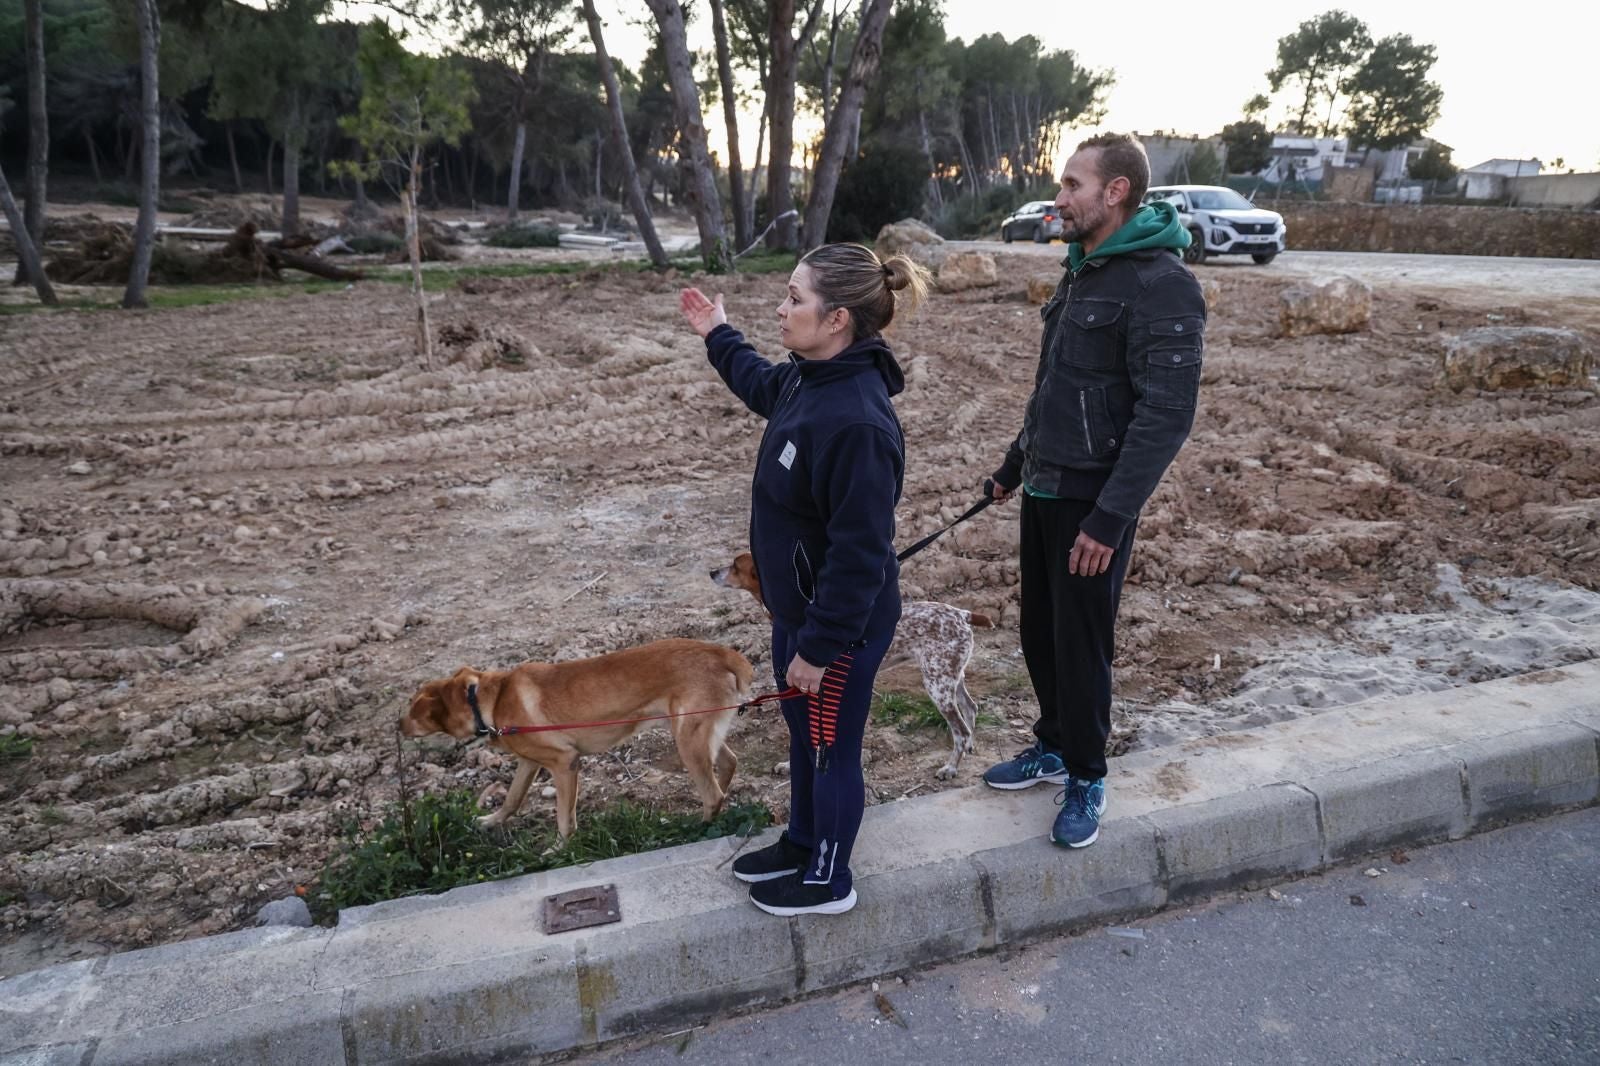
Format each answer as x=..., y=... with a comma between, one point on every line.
x=703, y=315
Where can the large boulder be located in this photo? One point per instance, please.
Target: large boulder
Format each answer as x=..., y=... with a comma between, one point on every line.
x=1338, y=305
x=916, y=240
x=1211, y=289
x=967, y=270
x=1518, y=357
x=1041, y=287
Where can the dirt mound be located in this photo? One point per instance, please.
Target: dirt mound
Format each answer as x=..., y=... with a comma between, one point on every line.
x=234, y=538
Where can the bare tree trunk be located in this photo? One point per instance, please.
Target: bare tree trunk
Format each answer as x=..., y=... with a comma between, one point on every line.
x=704, y=199
x=272, y=150
x=233, y=157
x=94, y=156
x=756, y=172
x=424, y=333
x=38, y=128
x=730, y=117
x=27, y=251
x=513, y=192
x=780, y=103
x=864, y=61
x=291, y=168
x=935, y=192
x=144, y=231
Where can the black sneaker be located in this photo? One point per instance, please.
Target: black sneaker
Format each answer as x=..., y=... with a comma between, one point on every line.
x=775, y=860
x=787, y=896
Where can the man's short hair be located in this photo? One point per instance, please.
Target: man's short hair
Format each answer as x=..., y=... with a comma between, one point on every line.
x=1121, y=156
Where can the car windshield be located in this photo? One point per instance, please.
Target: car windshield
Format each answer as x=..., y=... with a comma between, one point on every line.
x=1218, y=200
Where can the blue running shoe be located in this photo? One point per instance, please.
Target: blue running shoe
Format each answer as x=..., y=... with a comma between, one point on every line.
x=1031, y=766
x=1082, y=803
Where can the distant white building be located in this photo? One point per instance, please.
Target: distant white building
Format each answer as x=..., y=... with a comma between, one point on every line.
x=1296, y=158
x=1487, y=180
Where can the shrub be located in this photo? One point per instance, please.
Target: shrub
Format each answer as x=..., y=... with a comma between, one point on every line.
x=963, y=217
x=530, y=236
x=375, y=243
x=885, y=184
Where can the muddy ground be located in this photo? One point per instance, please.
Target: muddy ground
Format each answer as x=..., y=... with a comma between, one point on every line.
x=234, y=538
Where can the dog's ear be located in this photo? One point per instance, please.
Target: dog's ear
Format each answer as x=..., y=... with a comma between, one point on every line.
x=428, y=712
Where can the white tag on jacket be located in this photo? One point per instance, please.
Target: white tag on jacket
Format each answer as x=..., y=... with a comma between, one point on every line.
x=787, y=456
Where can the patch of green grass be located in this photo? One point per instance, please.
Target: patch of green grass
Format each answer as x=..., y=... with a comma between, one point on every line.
x=434, y=844
x=15, y=747
x=907, y=711
x=52, y=815
x=767, y=261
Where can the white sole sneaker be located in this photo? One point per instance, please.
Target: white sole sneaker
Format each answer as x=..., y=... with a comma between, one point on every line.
x=1053, y=779
x=753, y=879
x=837, y=906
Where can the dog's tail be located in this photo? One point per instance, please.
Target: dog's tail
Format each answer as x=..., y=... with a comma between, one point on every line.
x=979, y=620
x=739, y=667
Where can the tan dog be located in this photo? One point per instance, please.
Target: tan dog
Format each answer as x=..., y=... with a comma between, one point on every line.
x=937, y=635
x=665, y=677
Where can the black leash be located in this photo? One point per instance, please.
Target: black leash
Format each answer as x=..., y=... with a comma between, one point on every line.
x=988, y=498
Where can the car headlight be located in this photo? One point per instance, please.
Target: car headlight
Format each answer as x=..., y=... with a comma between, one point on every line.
x=1215, y=221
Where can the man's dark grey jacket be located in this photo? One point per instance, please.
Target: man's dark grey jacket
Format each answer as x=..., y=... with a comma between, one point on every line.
x=1114, y=396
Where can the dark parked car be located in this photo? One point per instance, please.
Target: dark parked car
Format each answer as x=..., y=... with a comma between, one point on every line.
x=1037, y=220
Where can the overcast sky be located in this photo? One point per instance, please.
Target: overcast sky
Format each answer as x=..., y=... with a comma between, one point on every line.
x=1519, y=79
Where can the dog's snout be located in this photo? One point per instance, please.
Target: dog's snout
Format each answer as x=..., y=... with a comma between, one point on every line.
x=720, y=576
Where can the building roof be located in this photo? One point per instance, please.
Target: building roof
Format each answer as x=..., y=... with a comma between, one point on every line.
x=1499, y=166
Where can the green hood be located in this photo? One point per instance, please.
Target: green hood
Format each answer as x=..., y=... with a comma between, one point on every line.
x=1152, y=226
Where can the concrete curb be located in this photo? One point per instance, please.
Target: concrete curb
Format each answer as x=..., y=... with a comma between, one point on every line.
x=467, y=976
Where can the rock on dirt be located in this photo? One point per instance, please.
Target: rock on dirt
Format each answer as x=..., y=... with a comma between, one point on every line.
x=1338, y=305
x=1041, y=287
x=916, y=240
x=967, y=270
x=291, y=910
x=1517, y=357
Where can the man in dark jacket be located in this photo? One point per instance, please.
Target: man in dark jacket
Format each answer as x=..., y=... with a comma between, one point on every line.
x=1113, y=400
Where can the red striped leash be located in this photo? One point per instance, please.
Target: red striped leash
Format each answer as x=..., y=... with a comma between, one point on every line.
x=483, y=729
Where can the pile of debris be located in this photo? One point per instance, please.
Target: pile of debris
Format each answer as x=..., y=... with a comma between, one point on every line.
x=103, y=255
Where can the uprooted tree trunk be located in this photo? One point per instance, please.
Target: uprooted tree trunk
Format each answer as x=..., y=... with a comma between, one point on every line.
x=104, y=256
x=27, y=251
x=841, y=130
x=619, y=141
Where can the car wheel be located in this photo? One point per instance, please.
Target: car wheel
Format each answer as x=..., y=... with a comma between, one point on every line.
x=1196, y=252
x=1263, y=258
x=1039, y=235
x=1005, y=234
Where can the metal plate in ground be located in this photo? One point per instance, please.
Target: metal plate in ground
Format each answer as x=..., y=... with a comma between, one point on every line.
x=582, y=908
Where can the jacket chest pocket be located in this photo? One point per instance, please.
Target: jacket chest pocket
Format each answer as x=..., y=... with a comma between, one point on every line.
x=1173, y=379
x=1086, y=335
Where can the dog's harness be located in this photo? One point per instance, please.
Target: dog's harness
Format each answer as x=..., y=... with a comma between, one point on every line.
x=480, y=728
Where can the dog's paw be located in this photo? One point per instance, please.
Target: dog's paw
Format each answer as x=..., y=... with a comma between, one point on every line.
x=945, y=772
x=488, y=821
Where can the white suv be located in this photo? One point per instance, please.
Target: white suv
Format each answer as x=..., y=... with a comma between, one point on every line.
x=1221, y=222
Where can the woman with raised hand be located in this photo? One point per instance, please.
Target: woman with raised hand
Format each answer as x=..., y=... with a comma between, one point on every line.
x=828, y=475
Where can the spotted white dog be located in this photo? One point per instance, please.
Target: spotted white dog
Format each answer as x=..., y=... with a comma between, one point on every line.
x=937, y=636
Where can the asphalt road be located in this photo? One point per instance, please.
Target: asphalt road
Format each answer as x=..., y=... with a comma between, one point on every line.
x=1482, y=951
x=1554, y=278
